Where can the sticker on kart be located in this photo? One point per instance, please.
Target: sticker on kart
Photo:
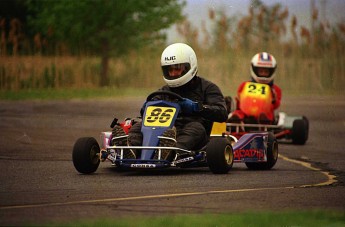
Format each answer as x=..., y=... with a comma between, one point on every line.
x=249, y=155
x=157, y=116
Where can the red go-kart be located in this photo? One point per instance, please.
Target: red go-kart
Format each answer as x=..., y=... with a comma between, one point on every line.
x=255, y=99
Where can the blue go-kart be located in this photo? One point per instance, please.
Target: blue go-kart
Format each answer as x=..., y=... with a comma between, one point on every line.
x=158, y=116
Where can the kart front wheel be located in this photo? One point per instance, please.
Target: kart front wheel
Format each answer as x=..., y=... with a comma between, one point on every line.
x=272, y=155
x=300, y=131
x=86, y=155
x=220, y=155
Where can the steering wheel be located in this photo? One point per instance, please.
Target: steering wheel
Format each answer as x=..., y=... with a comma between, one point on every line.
x=167, y=93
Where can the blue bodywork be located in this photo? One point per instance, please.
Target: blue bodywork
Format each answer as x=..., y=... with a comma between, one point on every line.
x=150, y=134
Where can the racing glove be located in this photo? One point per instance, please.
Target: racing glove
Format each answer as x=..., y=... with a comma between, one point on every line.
x=189, y=106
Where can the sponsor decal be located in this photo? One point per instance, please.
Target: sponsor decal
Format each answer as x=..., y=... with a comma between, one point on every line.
x=241, y=154
x=128, y=123
x=184, y=160
x=265, y=64
x=171, y=58
x=111, y=157
x=143, y=165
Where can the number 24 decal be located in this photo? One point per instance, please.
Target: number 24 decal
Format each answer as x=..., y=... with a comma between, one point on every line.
x=252, y=88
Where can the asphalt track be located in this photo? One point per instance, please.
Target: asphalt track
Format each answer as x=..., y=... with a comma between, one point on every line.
x=39, y=183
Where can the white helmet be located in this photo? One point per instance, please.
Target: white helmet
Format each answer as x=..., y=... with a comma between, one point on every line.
x=179, y=55
x=263, y=60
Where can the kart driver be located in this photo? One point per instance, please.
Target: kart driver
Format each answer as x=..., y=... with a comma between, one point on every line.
x=203, y=102
x=262, y=70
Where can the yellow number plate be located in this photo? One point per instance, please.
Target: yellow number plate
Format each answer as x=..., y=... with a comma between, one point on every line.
x=159, y=116
x=257, y=90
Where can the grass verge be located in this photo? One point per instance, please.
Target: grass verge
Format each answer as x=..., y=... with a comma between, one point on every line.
x=65, y=94
x=267, y=219
x=107, y=92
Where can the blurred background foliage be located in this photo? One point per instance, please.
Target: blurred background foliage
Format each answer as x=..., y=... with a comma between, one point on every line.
x=117, y=44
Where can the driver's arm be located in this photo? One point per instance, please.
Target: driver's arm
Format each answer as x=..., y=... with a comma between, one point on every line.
x=214, y=107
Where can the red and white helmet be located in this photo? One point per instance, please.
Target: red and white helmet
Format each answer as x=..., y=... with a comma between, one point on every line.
x=263, y=60
x=179, y=54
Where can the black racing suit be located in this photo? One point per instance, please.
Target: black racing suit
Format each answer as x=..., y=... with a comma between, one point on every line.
x=193, y=129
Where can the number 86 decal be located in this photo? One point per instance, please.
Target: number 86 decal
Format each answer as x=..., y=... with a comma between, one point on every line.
x=159, y=116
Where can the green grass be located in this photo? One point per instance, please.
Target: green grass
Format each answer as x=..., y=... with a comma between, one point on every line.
x=65, y=94
x=267, y=219
x=99, y=93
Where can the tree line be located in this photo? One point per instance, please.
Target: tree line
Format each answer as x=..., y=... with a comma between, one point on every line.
x=85, y=27
x=111, y=29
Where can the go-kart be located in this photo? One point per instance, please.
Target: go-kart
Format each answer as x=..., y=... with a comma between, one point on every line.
x=255, y=99
x=158, y=116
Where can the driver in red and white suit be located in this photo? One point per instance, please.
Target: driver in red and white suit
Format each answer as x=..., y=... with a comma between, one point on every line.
x=262, y=70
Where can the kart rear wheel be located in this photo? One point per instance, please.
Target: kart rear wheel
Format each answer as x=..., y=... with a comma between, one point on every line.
x=307, y=126
x=272, y=155
x=85, y=155
x=300, y=131
x=220, y=155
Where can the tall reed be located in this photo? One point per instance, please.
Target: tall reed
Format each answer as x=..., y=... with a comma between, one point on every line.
x=311, y=60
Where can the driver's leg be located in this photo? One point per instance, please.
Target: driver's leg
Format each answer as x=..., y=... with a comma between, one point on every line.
x=119, y=138
x=192, y=136
x=266, y=118
x=135, y=137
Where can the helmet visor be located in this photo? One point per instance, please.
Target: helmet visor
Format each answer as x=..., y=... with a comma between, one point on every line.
x=175, y=71
x=263, y=72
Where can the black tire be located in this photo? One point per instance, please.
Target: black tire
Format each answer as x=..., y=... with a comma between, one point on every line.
x=300, y=131
x=86, y=155
x=307, y=126
x=272, y=155
x=220, y=155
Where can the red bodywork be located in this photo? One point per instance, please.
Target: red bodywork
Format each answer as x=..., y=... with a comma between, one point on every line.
x=255, y=99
